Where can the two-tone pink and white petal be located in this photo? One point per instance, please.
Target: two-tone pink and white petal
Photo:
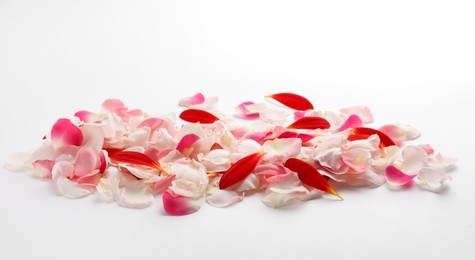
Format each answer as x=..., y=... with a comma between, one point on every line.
x=245, y=110
x=64, y=132
x=217, y=160
x=399, y=133
x=358, y=159
x=396, y=177
x=179, y=205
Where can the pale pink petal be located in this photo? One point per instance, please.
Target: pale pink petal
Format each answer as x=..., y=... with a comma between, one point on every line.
x=152, y=122
x=274, y=116
x=243, y=112
x=186, y=142
x=395, y=176
x=277, y=200
x=223, y=198
x=432, y=179
x=43, y=168
x=62, y=169
x=363, y=112
x=65, y=133
x=366, y=178
x=299, y=114
x=144, y=173
x=279, y=150
x=269, y=169
x=178, y=205
x=111, y=105
x=414, y=159
x=136, y=196
x=441, y=162
x=248, y=146
x=217, y=160
x=358, y=159
x=86, y=116
x=257, y=136
x=89, y=180
x=428, y=148
x=351, y=121
x=196, y=99
x=251, y=182
x=87, y=162
x=400, y=133
x=93, y=136
x=191, y=178
x=138, y=137
x=331, y=160
x=163, y=184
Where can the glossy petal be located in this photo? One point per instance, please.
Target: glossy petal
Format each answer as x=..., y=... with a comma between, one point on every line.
x=292, y=100
x=397, y=177
x=66, y=133
x=309, y=175
x=310, y=123
x=240, y=170
x=198, y=116
x=178, y=205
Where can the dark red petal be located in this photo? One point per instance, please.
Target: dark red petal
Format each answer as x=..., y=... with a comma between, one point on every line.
x=361, y=133
x=240, y=170
x=310, y=122
x=293, y=101
x=198, y=116
x=309, y=175
x=131, y=157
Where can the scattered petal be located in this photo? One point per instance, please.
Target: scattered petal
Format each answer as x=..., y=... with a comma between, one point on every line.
x=240, y=170
x=178, y=205
x=293, y=101
x=311, y=122
x=198, y=116
x=397, y=177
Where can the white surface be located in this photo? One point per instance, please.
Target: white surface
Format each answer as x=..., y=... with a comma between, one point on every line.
x=409, y=61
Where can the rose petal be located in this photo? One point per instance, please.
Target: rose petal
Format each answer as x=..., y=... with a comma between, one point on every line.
x=65, y=133
x=178, y=205
x=358, y=159
x=137, y=196
x=279, y=150
x=361, y=111
x=432, y=179
x=397, y=177
x=243, y=112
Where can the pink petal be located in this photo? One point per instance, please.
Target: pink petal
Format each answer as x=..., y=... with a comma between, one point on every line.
x=414, y=159
x=111, y=105
x=178, y=205
x=223, y=198
x=399, y=133
x=163, y=184
x=358, y=159
x=196, y=99
x=186, y=142
x=428, y=148
x=432, y=179
x=43, y=168
x=361, y=111
x=351, y=121
x=397, y=177
x=85, y=116
x=243, y=112
x=279, y=150
x=65, y=133
x=87, y=162
x=93, y=136
x=152, y=122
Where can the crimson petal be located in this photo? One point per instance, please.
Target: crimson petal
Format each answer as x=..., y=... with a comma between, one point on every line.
x=361, y=133
x=292, y=100
x=310, y=176
x=198, y=116
x=240, y=170
x=310, y=122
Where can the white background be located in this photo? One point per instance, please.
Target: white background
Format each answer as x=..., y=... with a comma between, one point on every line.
x=409, y=61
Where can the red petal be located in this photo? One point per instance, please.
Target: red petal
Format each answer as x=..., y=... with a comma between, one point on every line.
x=216, y=146
x=310, y=122
x=135, y=158
x=310, y=176
x=240, y=170
x=291, y=100
x=361, y=133
x=198, y=116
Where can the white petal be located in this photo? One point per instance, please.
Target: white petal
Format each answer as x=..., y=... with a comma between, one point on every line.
x=108, y=186
x=137, y=196
x=18, y=162
x=223, y=198
x=432, y=179
x=279, y=150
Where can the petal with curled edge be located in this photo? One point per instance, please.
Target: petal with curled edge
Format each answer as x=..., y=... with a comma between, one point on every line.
x=432, y=179
x=66, y=133
x=178, y=205
x=395, y=176
x=61, y=173
x=196, y=99
x=242, y=111
x=186, y=142
x=292, y=100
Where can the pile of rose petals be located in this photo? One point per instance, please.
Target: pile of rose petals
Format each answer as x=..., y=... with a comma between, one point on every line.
x=282, y=148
